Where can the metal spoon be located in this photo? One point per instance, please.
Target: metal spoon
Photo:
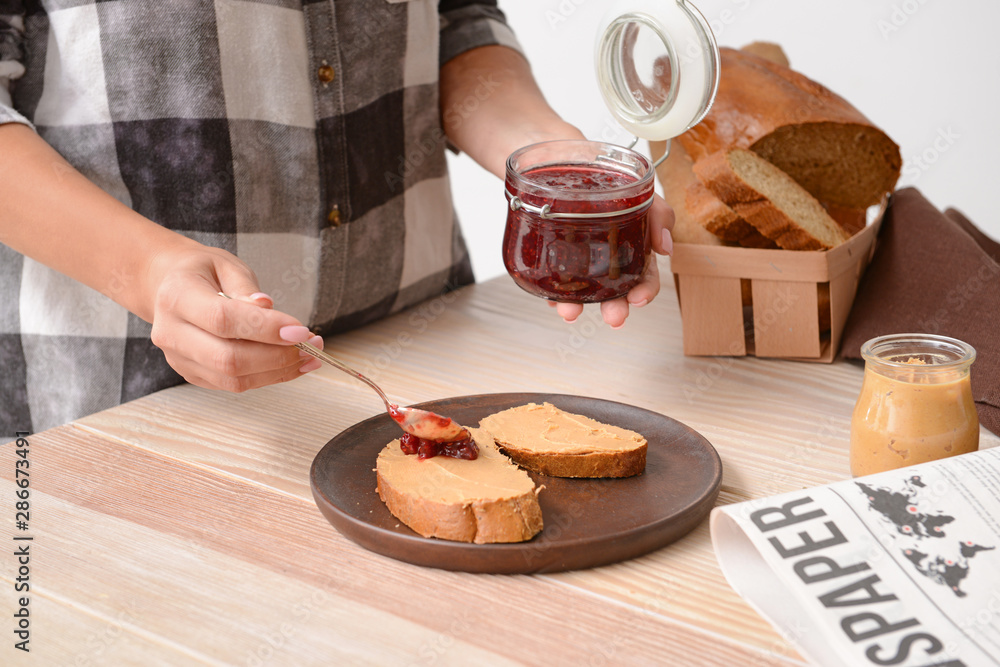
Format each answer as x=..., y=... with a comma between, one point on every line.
x=420, y=423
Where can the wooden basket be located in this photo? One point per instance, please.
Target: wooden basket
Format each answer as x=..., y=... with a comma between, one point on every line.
x=769, y=303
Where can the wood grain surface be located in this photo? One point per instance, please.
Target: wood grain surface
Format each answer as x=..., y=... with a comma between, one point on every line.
x=180, y=528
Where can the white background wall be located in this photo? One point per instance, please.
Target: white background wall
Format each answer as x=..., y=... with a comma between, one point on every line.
x=926, y=71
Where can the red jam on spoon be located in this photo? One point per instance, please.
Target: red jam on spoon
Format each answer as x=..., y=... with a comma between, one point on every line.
x=429, y=434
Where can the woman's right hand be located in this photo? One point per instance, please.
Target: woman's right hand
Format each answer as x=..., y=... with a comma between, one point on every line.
x=232, y=344
x=55, y=215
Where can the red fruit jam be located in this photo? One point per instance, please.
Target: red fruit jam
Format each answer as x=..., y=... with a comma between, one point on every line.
x=425, y=449
x=560, y=253
x=451, y=439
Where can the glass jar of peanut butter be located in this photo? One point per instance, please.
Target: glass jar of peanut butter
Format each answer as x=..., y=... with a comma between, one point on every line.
x=915, y=404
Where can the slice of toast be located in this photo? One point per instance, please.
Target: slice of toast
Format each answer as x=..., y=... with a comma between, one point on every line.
x=716, y=217
x=548, y=440
x=769, y=199
x=485, y=500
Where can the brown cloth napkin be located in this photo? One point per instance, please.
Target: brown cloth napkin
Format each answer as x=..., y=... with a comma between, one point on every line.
x=935, y=273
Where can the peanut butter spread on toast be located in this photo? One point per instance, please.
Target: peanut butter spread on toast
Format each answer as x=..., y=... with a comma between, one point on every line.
x=491, y=476
x=547, y=429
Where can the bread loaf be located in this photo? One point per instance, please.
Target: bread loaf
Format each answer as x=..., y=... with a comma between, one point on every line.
x=801, y=127
x=676, y=175
x=485, y=500
x=769, y=199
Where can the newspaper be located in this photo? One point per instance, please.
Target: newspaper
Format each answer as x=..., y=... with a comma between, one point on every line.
x=899, y=568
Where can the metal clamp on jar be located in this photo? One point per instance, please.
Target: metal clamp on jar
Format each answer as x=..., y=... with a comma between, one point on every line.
x=577, y=222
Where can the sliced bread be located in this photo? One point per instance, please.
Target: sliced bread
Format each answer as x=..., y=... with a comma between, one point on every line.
x=804, y=129
x=485, y=500
x=721, y=220
x=675, y=175
x=545, y=439
x=770, y=200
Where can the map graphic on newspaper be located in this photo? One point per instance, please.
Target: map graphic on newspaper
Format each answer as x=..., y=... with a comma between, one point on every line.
x=899, y=568
x=944, y=560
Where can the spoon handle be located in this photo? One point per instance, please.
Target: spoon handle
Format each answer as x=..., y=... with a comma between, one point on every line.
x=324, y=357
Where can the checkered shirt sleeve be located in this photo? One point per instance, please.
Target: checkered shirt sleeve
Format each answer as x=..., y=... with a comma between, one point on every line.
x=303, y=136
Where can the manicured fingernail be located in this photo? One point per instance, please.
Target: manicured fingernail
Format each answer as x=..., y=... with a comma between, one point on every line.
x=315, y=341
x=618, y=326
x=570, y=321
x=260, y=295
x=295, y=333
x=310, y=366
x=667, y=241
x=638, y=304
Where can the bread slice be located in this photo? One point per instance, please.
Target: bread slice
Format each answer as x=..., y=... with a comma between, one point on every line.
x=815, y=136
x=770, y=200
x=676, y=175
x=485, y=500
x=548, y=440
x=851, y=220
x=721, y=220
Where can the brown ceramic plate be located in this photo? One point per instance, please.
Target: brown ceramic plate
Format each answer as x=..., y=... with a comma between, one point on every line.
x=588, y=522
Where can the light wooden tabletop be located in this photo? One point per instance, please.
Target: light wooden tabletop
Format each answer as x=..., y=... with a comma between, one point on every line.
x=180, y=528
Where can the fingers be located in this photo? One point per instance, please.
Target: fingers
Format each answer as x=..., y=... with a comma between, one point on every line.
x=234, y=365
x=569, y=311
x=238, y=281
x=238, y=385
x=661, y=221
x=615, y=312
x=200, y=305
x=234, y=343
x=648, y=286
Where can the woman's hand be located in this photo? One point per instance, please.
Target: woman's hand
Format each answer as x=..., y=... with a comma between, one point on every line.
x=53, y=214
x=615, y=311
x=233, y=344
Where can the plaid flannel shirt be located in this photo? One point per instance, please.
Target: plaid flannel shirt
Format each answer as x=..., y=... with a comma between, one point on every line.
x=303, y=136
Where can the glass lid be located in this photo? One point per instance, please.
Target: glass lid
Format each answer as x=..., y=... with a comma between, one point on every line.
x=657, y=66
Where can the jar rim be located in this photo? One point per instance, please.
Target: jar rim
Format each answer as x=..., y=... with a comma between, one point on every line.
x=893, y=350
x=642, y=180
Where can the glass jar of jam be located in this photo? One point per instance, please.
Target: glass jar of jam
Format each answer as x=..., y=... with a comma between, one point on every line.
x=915, y=404
x=577, y=223
x=577, y=220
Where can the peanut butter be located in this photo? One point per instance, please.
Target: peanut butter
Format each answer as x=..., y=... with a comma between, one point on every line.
x=913, y=409
x=547, y=429
x=446, y=480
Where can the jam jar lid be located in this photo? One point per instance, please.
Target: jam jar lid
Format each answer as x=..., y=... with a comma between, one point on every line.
x=657, y=66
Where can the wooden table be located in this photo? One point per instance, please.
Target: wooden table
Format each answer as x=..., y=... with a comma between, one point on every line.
x=180, y=528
